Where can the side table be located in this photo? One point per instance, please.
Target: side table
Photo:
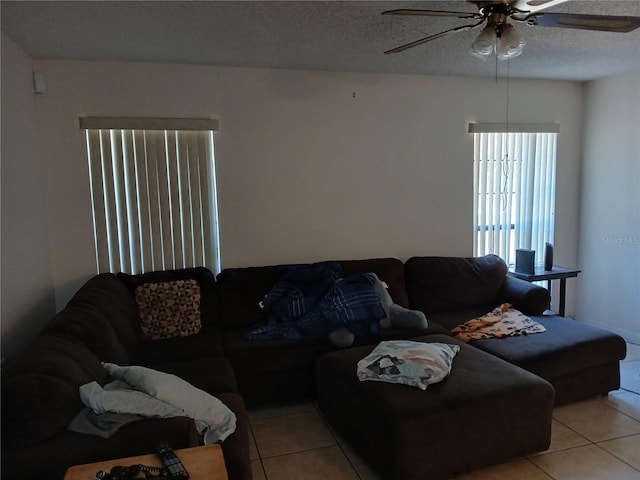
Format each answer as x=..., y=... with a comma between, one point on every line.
x=557, y=273
x=202, y=463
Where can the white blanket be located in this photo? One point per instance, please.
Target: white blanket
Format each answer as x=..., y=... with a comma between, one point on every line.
x=152, y=394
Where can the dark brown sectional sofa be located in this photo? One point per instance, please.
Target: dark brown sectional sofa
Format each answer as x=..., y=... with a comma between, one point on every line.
x=101, y=324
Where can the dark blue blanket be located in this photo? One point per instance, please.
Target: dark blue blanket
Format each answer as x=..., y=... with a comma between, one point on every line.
x=299, y=289
x=311, y=301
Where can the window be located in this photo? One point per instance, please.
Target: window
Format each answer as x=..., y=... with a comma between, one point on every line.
x=514, y=188
x=153, y=193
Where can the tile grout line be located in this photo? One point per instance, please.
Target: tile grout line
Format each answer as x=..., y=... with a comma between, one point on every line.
x=253, y=435
x=540, y=468
x=606, y=404
x=333, y=434
x=542, y=454
x=615, y=456
x=596, y=444
x=591, y=442
x=268, y=457
x=575, y=448
x=298, y=451
x=336, y=442
x=573, y=430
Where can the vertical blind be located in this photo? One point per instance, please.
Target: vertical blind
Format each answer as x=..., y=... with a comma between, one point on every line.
x=514, y=189
x=153, y=193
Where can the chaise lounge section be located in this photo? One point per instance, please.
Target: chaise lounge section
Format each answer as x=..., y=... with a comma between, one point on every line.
x=579, y=360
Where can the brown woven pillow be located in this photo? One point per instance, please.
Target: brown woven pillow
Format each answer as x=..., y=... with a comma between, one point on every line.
x=169, y=309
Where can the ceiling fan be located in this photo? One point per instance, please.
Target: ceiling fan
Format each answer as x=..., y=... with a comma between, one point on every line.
x=501, y=37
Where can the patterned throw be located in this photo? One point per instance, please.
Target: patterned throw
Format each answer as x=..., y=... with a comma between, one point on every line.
x=311, y=301
x=169, y=309
x=501, y=322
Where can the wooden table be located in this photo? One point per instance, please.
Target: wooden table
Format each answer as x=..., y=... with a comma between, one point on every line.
x=557, y=273
x=202, y=463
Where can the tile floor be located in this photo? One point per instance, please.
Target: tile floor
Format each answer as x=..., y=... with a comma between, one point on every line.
x=596, y=439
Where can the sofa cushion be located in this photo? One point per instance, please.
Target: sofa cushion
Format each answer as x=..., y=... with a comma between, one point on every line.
x=203, y=276
x=40, y=389
x=213, y=375
x=256, y=356
x=436, y=284
x=207, y=343
x=105, y=295
x=169, y=309
x=278, y=355
x=452, y=318
x=567, y=346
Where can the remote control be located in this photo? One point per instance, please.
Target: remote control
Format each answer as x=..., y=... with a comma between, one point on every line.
x=171, y=462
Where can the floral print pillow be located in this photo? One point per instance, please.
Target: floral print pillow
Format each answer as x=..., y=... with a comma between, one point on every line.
x=169, y=309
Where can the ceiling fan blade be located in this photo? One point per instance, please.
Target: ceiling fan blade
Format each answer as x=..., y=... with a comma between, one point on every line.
x=432, y=13
x=603, y=23
x=434, y=37
x=533, y=6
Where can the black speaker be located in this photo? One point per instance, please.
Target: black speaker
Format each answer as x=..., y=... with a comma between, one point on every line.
x=548, y=257
x=525, y=261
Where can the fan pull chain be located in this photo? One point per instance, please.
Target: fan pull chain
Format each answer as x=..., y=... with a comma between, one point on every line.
x=508, y=77
x=505, y=160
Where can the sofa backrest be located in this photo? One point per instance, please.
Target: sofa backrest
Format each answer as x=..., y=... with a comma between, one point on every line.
x=90, y=327
x=389, y=270
x=203, y=276
x=106, y=296
x=40, y=389
x=436, y=284
x=240, y=290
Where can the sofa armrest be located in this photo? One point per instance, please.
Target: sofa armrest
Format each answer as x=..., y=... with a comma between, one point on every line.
x=527, y=297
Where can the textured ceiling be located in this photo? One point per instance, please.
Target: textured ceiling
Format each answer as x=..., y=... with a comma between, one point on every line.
x=320, y=35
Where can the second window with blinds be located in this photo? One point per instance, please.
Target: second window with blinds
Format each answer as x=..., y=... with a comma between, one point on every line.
x=153, y=192
x=514, y=172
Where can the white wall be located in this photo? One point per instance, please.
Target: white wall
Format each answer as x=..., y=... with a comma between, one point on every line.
x=610, y=214
x=311, y=165
x=27, y=284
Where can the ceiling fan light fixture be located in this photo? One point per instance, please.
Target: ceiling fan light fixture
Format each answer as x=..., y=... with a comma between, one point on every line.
x=500, y=37
x=485, y=44
x=510, y=43
x=503, y=39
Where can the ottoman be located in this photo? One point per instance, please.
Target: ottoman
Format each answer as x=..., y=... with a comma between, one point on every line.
x=579, y=360
x=485, y=412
